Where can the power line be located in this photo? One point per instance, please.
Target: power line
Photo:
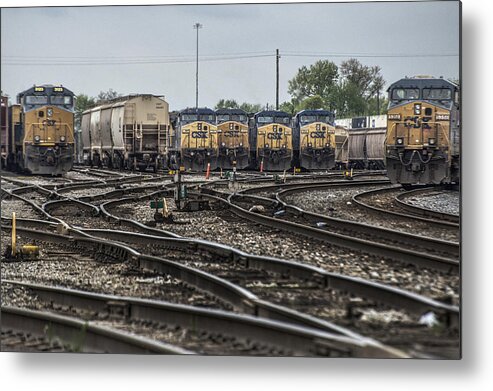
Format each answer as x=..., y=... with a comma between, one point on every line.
x=172, y=61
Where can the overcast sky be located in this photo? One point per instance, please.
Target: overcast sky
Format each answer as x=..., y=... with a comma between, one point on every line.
x=100, y=45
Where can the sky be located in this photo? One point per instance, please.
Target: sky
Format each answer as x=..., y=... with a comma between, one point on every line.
x=93, y=49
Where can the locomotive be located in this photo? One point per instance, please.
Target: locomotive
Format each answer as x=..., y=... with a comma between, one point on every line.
x=314, y=136
x=40, y=138
x=232, y=129
x=423, y=131
x=272, y=137
x=195, y=141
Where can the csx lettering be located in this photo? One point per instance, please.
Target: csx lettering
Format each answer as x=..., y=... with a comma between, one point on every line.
x=199, y=134
x=320, y=134
x=274, y=136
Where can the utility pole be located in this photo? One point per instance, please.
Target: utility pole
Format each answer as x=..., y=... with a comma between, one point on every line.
x=197, y=26
x=277, y=79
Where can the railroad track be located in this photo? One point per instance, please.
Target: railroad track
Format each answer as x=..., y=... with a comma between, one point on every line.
x=218, y=332
x=391, y=252
x=405, y=240
x=426, y=212
x=153, y=231
x=359, y=199
x=72, y=334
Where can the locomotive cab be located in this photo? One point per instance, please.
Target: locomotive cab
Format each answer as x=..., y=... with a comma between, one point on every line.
x=315, y=139
x=274, y=140
x=196, y=136
x=232, y=129
x=422, y=141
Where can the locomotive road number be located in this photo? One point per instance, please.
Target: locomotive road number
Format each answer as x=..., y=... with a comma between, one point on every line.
x=199, y=134
x=319, y=134
x=274, y=136
x=232, y=133
x=443, y=117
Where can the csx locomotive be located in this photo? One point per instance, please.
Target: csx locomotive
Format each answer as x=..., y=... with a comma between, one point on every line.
x=423, y=130
x=195, y=140
x=232, y=129
x=273, y=140
x=314, y=139
x=42, y=131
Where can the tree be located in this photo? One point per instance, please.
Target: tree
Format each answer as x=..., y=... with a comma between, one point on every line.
x=82, y=103
x=108, y=95
x=350, y=90
x=232, y=104
x=320, y=79
x=226, y=104
x=251, y=107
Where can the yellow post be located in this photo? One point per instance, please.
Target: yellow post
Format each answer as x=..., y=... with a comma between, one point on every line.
x=14, y=235
x=165, y=208
x=351, y=172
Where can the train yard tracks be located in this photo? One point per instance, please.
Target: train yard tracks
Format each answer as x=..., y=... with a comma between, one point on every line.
x=333, y=291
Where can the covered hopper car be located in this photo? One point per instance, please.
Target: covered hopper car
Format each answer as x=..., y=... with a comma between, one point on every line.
x=127, y=132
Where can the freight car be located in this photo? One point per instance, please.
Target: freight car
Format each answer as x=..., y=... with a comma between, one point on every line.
x=362, y=144
x=41, y=131
x=234, y=147
x=422, y=141
x=194, y=143
x=272, y=137
x=127, y=132
x=4, y=130
x=314, y=139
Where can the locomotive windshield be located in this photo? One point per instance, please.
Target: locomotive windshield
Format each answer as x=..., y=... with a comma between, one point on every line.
x=282, y=120
x=61, y=100
x=437, y=94
x=223, y=118
x=306, y=119
x=36, y=100
x=239, y=118
x=206, y=118
x=265, y=120
x=189, y=117
x=405, y=93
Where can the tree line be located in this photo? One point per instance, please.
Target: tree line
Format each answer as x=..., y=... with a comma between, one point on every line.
x=350, y=90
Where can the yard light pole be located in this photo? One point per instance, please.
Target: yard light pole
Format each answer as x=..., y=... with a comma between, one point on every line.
x=197, y=26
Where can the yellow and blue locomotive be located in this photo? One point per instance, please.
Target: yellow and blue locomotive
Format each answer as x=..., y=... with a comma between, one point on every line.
x=314, y=139
x=272, y=137
x=42, y=123
x=195, y=141
x=232, y=129
x=423, y=132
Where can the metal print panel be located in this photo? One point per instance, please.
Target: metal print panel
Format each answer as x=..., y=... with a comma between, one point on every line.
x=239, y=179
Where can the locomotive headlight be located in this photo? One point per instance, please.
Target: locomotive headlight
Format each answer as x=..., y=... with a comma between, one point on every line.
x=241, y=144
x=431, y=141
x=417, y=108
x=399, y=141
x=327, y=145
x=266, y=145
x=223, y=144
x=192, y=153
x=62, y=139
x=49, y=112
x=37, y=139
x=309, y=144
x=284, y=146
x=208, y=154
